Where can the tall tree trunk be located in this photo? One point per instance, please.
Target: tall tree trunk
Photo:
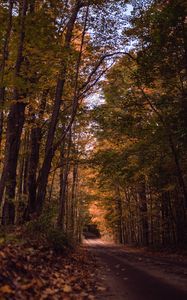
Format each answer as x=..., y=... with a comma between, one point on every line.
x=178, y=169
x=5, y=54
x=22, y=173
x=169, y=135
x=183, y=80
x=73, y=198
x=181, y=224
x=15, y=124
x=49, y=150
x=143, y=212
x=33, y=160
x=119, y=210
x=61, y=215
x=166, y=240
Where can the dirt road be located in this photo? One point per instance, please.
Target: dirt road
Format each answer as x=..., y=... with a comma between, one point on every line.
x=135, y=276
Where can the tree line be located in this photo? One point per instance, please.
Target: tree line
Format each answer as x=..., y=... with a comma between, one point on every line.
x=52, y=54
x=142, y=130
x=56, y=57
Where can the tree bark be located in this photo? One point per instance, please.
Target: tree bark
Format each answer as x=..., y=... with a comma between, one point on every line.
x=143, y=212
x=5, y=54
x=63, y=189
x=49, y=149
x=33, y=160
x=15, y=124
x=172, y=146
x=73, y=199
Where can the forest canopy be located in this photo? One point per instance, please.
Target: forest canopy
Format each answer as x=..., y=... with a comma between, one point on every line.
x=59, y=152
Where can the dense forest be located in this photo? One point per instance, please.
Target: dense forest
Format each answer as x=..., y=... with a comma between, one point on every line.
x=93, y=134
x=141, y=149
x=56, y=58
x=53, y=53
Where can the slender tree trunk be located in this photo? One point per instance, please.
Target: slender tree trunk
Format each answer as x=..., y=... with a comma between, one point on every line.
x=151, y=220
x=143, y=213
x=22, y=166
x=119, y=211
x=5, y=54
x=15, y=124
x=172, y=146
x=49, y=150
x=73, y=198
x=22, y=175
x=61, y=215
x=52, y=186
x=165, y=218
x=33, y=160
x=184, y=89
x=181, y=226
x=178, y=169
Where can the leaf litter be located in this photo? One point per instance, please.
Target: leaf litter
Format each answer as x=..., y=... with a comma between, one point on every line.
x=37, y=273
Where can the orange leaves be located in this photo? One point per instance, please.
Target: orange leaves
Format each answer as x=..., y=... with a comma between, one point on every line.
x=6, y=289
x=36, y=273
x=67, y=288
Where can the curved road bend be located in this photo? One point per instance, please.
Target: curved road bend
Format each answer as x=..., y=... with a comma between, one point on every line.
x=133, y=276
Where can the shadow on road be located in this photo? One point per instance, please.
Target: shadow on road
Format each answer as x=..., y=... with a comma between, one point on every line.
x=136, y=276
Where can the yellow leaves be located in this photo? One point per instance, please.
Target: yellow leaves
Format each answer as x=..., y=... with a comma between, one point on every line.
x=6, y=289
x=67, y=288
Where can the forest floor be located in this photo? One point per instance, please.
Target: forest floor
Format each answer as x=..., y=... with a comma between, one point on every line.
x=135, y=274
x=96, y=270
x=31, y=272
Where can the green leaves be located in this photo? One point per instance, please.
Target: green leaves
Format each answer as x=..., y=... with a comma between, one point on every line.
x=141, y=125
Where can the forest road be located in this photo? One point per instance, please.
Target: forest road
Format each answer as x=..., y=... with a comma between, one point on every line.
x=136, y=276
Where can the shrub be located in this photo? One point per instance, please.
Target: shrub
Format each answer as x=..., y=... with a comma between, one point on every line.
x=38, y=228
x=42, y=231
x=57, y=240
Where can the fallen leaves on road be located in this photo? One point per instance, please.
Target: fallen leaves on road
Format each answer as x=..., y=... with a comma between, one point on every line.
x=39, y=274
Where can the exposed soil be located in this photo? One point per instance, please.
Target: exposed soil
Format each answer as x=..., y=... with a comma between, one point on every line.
x=105, y=272
x=137, y=275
